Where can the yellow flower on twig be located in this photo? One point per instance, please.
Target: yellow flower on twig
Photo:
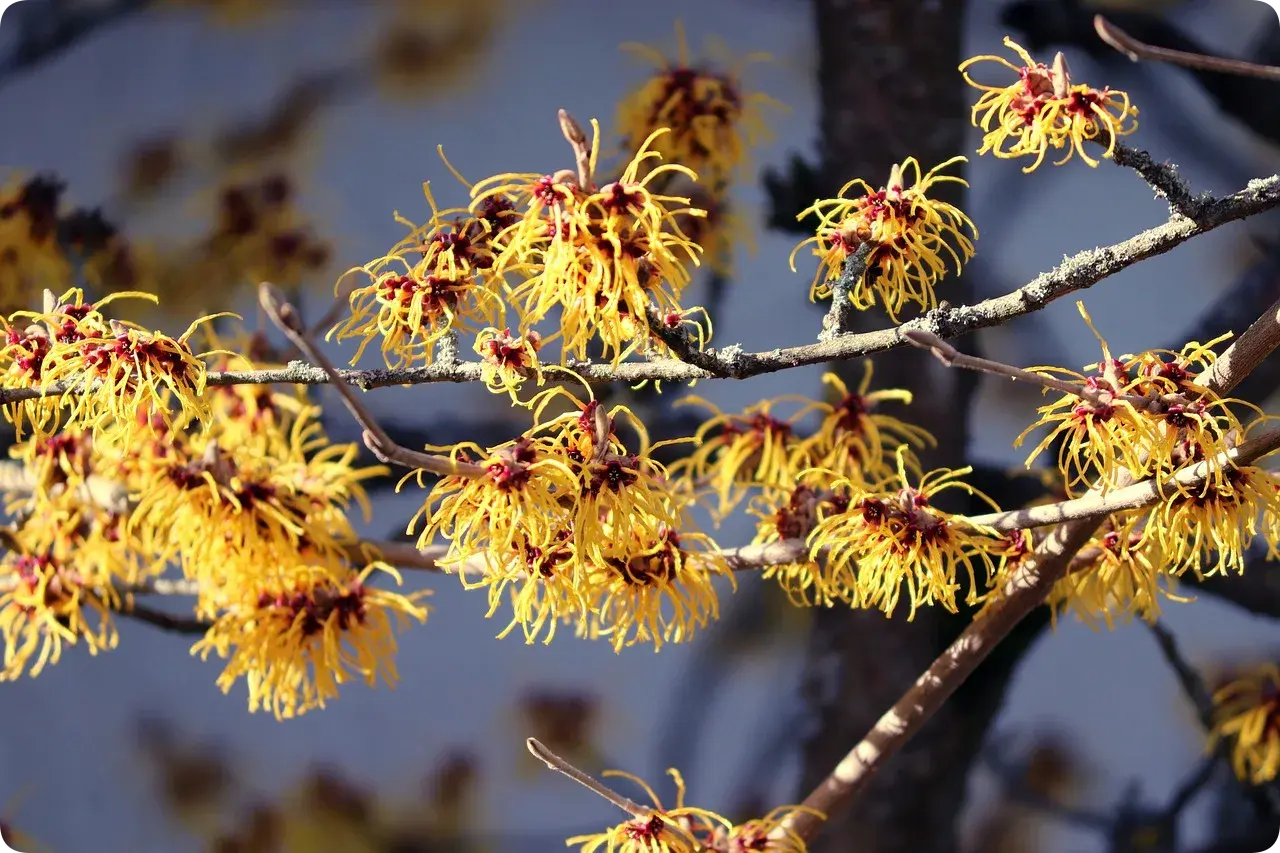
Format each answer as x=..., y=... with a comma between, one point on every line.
x=1044, y=110
x=295, y=641
x=911, y=235
x=887, y=539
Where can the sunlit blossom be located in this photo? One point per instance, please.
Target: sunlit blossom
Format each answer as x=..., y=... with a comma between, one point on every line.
x=887, y=539
x=436, y=281
x=1136, y=416
x=295, y=641
x=1044, y=109
x=915, y=239
x=1122, y=572
x=604, y=257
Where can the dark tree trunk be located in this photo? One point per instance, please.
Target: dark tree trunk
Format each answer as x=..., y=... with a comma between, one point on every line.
x=890, y=89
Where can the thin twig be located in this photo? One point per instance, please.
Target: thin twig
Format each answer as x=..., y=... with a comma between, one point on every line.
x=1188, y=678
x=839, y=318
x=286, y=317
x=1162, y=177
x=166, y=621
x=1191, y=786
x=952, y=357
x=1137, y=50
x=560, y=765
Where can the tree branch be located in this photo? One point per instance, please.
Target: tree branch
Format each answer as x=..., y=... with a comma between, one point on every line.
x=166, y=621
x=1162, y=177
x=1137, y=50
x=1078, y=272
x=560, y=765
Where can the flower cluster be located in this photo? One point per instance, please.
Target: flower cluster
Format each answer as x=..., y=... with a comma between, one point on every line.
x=1139, y=416
x=686, y=829
x=71, y=561
x=251, y=508
x=507, y=360
x=1150, y=415
x=853, y=492
x=714, y=122
x=892, y=533
x=1122, y=572
x=440, y=278
x=603, y=256
x=911, y=240
x=112, y=377
x=756, y=450
x=575, y=528
x=296, y=636
x=910, y=237
x=1044, y=110
x=606, y=258
x=57, y=589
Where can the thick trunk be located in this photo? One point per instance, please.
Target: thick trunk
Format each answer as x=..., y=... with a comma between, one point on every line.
x=889, y=90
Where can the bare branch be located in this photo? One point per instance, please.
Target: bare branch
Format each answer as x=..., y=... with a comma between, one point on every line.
x=1025, y=591
x=1137, y=50
x=560, y=765
x=1246, y=352
x=286, y=317
x=952, y=357
x=166, y=621
x=1095, y=506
